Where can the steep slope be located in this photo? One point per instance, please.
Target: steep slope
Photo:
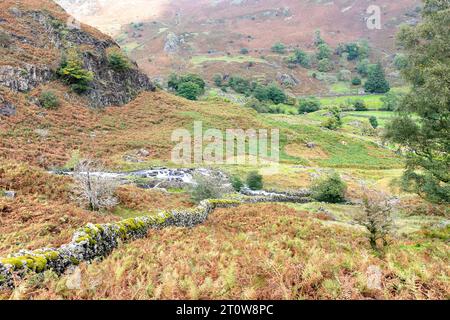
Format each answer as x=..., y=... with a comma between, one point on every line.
x=39, y=36
x=207, y=36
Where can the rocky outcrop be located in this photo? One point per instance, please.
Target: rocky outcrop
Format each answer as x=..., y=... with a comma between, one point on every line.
x=108, y=87
x=172, y=43
x=25, y=77
x=6, y=108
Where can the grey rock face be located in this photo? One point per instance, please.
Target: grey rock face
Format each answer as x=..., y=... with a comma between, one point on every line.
x=109, y=87
x=6, y=108
x=172, y=43
x=24, y=78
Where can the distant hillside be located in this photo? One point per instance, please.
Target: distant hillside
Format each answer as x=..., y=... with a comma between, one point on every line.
x=207, y=36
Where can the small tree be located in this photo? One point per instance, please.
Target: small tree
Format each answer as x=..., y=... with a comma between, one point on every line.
x=376, y=217
x=189, y=90
x=329, y=189
x=73, y=73
x=255, y=181
x=376, y=82
x=118, y=61
x=49, y=100
x=373, y=122
x=91, y=189
x=212, y=186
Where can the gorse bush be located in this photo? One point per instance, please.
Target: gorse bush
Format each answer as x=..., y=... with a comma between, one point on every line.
x=74, y=74
x=118, y=61
x=255, y=181
x=329, y=189
x=49, y=100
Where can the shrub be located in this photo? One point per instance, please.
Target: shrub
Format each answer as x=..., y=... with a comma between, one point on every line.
x=118, y=61
x=213, y=186
x=279, y=48
x=189, y=90
x=356, y=81
x=237, y=183
x=300, y=57
x=240, y=85
x=334, y=121
x=400, y=61
x=259, y=106
x=49, y=100
x=276, y=94
x=391, y=101
x=195, y=78
x=308, y=105
x=325, y=65
x=73, y=73
x=244, y=51
x=373, y=122
x=94, y=191
x=344, y=75
x=359, y=105
x=363, y=67
x=218, y=79
x=260, y=93
x=376, y=218
x=324, y=51
x=330, y=189
x=255, y=181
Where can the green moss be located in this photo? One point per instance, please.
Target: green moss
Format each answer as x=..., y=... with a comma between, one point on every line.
x=34, y=263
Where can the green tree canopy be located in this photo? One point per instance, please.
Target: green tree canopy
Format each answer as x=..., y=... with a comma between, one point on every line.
x=423, y=124
x=376, y=81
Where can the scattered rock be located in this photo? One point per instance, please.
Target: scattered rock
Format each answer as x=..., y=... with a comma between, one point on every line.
x=73, y=281
x=287, y=80
x=7, y=109
x=373, y=275
x=143, y=153
x=172, y=43
x=8, y=194
x=311, y=145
